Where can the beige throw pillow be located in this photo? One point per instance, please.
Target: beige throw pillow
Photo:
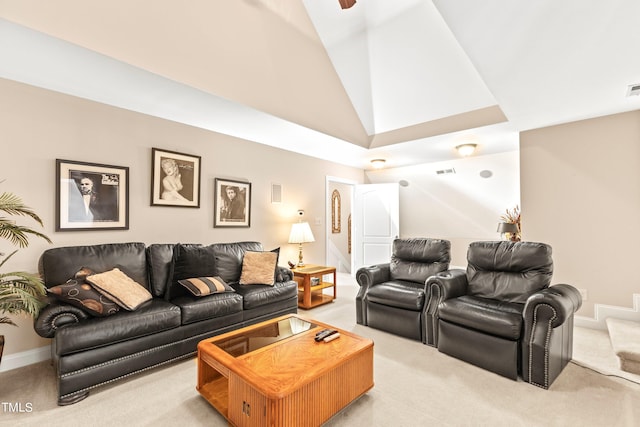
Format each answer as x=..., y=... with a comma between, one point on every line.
x=258, y=268
x=120, y=288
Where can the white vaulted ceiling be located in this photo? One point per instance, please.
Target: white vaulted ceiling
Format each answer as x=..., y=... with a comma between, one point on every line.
x=405, y=80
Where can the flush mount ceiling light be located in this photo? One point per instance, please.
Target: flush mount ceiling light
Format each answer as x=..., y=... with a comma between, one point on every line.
x=466, y=149
x=378, y=163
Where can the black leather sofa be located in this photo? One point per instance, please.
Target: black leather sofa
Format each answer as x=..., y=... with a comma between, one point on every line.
x=392, y=296
x=501, y=314
x=88, y=352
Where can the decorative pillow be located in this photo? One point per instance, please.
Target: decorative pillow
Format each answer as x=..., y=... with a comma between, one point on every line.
x=259, y=268
x=203, y=286
x=80, y=294
x=189, y=261
x=121, y=288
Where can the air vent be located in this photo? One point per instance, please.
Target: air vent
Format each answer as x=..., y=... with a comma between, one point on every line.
x=634, y=90
x=445, y=171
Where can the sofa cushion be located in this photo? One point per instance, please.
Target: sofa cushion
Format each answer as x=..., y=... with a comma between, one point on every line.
x=229, y=259
x=207, y=307
x=120, y=288
x=417, y=259
x=57, y=265
x=259, y=268
x=508, y=271
x=203, y=286
x=498, y=318
x=159, y=260
x=80, y=294
x=258, y=295
x=189, y=261
x=398, y=293
x=150, y=318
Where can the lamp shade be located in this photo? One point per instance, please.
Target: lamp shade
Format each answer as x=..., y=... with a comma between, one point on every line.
x=301, y=233
x=507, y=227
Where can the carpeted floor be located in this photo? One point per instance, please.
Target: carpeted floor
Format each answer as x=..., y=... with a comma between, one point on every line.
x=415, y=385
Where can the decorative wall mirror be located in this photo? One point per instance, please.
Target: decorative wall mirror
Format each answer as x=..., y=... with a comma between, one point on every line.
x=335, y=212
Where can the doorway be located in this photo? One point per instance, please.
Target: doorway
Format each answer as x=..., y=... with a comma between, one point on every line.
x=339, y=206
x=362, y=220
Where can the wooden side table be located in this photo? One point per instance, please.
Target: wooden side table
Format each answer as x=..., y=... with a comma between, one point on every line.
x=312, y=295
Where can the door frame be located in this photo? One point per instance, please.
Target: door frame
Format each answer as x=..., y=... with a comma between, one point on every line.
x=328, y=180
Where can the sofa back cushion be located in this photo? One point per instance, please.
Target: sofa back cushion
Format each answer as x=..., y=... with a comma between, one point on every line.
x=159, y=259
x=508, y=271
x=417, y=259
x=189, y=261
x=57, y=265
x=229, y=259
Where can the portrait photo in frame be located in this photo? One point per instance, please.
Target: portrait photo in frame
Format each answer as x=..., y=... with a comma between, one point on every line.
x=175, y=179
x=91, y=196
x=231, y=203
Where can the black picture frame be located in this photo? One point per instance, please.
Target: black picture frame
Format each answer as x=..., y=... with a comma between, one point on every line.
x=180, y=189
x=91, y=196
x=234, y=212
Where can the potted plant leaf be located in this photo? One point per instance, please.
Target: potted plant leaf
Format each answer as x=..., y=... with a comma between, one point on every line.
x=20, y=292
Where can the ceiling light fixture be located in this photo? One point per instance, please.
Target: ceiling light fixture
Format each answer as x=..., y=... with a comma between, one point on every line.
x=466, y=149
x=378, y=163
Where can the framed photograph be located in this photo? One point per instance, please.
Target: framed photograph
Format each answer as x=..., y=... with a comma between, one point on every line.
x=232, y=203
x=175, y=179
x=91, y=196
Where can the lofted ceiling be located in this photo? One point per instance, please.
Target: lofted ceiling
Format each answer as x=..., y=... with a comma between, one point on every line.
x=404, y=80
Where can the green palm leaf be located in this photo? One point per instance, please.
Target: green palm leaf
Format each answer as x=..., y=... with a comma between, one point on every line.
x=20, y=292
x=13, y=205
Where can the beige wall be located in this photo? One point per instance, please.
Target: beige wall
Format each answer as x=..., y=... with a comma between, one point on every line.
x=580, y=186
x=461, y=207
x=38, y=126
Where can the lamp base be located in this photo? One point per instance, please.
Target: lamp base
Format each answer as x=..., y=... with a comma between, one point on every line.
x=300, y=261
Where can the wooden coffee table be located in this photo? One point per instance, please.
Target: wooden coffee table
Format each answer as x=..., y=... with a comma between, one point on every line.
x=275, y=374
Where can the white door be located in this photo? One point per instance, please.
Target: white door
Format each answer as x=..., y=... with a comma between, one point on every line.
x=376, y=223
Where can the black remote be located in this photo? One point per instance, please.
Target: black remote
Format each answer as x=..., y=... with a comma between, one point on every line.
x=323, y=334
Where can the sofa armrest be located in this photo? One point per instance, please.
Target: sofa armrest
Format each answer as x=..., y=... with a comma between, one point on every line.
x=553, y=305
x=56, y=315
x=447, y=284
x=283, y=274
x=547, y=344
x=373, y=275
x=443, y=286
x=367, y=277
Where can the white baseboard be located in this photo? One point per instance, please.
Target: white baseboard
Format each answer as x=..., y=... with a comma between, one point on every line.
x=602, y=312
x=25, y=358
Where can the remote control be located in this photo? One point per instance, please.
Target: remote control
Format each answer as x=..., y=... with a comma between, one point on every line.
x=332, y=337
x=324, y=334
x=322, y=331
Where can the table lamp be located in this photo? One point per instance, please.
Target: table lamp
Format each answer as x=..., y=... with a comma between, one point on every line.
x=507, y=227
x=301, y=233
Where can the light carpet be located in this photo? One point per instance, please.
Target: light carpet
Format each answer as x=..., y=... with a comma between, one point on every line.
x=415, y=385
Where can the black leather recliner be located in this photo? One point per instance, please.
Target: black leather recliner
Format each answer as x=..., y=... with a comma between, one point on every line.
x=500, y=314
x=392, y=295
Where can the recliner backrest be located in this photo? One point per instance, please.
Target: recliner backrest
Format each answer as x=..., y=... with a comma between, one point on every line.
x=508, y=271
x=417, y=259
